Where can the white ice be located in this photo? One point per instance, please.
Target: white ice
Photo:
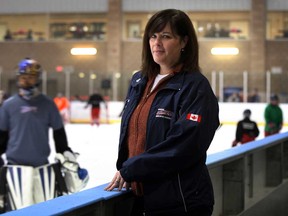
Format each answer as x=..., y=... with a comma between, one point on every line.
x=98, y=147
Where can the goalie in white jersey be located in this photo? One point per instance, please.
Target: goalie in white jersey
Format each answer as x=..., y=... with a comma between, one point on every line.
x=25, y=119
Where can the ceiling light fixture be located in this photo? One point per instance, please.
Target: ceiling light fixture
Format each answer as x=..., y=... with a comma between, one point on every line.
x=224, y=51
x=83, y=51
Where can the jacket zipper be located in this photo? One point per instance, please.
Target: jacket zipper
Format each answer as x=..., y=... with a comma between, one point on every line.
x=149, y=117
x=181, y=192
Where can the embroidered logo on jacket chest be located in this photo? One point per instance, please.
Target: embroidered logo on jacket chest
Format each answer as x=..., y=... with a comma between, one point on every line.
x=162, y=113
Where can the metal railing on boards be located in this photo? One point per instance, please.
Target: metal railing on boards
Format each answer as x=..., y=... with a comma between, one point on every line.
x=242, y=176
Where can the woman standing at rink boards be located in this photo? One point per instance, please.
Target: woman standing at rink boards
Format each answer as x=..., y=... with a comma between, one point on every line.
x=169, y=121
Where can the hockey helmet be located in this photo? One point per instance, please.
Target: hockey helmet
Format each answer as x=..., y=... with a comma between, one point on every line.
x=274, y=97
x=247, y=113
x=30, y=67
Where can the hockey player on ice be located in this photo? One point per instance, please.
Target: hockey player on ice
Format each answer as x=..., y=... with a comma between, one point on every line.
x=247, y=130
x=63, y=105
x=95, y=100
x=25, y=120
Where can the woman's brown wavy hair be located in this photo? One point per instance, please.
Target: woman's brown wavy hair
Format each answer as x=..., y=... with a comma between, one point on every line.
x=182, y=26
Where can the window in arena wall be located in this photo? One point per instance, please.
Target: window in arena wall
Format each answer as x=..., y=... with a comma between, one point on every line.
x=222, y=29
x=58, y=30
x=133, y=29
x=78, y=30
x=277, y=26
x=3, y=30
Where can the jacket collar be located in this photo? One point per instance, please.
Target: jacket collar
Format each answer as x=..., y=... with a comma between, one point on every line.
x=139, y=80
x=175, y=83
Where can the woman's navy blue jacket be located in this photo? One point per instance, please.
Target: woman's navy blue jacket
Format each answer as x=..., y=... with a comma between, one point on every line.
x=181, y=125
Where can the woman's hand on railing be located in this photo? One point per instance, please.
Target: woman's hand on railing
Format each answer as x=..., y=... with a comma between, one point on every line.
x=117, y=182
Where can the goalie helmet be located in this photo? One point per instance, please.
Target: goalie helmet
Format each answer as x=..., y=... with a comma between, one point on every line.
x=30, y=67
x=76, y=178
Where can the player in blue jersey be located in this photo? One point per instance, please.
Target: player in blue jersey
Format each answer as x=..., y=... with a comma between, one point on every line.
x=25, y=119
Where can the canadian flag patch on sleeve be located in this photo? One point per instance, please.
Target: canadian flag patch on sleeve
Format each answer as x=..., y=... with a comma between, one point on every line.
x=194, y=117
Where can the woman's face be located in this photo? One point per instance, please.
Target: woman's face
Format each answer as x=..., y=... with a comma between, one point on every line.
x=166, y=49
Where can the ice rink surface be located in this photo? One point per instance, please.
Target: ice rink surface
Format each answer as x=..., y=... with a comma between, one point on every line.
x=98, y=147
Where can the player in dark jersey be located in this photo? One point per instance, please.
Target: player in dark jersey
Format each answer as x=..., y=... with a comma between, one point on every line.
x=247, y=130
x=95, y=100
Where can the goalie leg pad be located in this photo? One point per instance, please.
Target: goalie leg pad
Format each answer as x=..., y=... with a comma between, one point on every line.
x=3, y=171
x=28, y=185
x=44, y=183
x=20, y=186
